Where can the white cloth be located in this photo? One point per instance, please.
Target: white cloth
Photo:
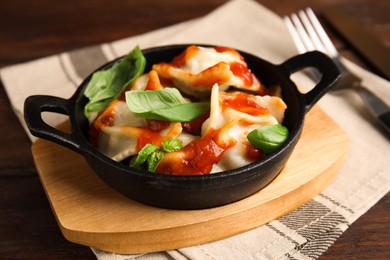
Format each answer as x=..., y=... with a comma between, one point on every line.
x=244, y=25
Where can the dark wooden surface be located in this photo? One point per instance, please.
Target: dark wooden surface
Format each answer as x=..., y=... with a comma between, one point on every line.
x=34, y=29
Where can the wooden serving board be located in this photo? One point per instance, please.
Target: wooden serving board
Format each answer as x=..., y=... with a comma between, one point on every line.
x=91, y=213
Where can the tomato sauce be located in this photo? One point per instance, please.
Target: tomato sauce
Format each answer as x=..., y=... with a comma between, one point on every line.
x=157, y=125
x=227, y=49
x=122, y=97
x=181, y=60
x=147, y=136
x=194, y=127
x=153, y=81
x=106, y=118
x=252, y=153
x=197, y=157
x=241, y=71
x=215, y=74
x=242, y=102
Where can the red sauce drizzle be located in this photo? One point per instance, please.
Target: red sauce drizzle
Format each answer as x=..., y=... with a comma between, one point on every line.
x=194, y=127
x=122, y=97
x=105, y=119
x=148, y=136
x=212, y=75
x=252, y=153
x=181, y=60
x=196, y=158
x=242, y=102
x=157, y=125
x=241, y=70
x=227, y=49
x=153, y=81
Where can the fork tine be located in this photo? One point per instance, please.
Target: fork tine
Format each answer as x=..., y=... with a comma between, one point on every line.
x=331, y=49
x=294, y=34
x=301, y=38
x=311, y=32
x=302, y=33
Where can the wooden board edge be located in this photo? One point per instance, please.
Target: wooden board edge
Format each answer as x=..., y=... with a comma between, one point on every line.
x=191, y=235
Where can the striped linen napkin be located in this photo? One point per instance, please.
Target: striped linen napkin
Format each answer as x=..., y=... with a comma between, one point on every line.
x=306, y=232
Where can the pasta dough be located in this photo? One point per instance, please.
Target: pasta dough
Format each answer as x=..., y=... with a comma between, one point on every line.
x=237, y=106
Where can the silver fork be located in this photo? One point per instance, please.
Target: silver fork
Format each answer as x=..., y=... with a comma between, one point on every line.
x=309, y=35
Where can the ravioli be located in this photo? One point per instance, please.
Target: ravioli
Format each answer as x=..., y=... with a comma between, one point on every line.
x=119, y=133
x=197, y=69
x=238, y=114
x=216, y=141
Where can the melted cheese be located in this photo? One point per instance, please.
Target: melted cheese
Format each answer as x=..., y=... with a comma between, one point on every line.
x=236, y=125
x=222, y=145
x=196, y=70
x=126, y=133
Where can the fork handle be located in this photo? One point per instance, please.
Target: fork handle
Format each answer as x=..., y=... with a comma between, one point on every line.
x=325, y=66
x=377, y=107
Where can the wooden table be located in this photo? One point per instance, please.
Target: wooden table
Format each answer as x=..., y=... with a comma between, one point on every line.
x=34, y=29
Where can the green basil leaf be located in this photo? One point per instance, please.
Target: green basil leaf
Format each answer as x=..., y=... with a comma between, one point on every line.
x=144, y=154
x=179, y=113
x=268, y=138
x=140, y=101
x=154, y=159
x=164, y=104
x=107, y=85
x=172, y=145
x=97, y=106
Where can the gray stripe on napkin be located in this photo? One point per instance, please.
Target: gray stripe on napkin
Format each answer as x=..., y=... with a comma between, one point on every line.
x=305, y=215
x=317, y=224
x=316, y=247
x=322, y=225
x=312, y=220
x=282, y=234
x=86, y=60
x=338, y=204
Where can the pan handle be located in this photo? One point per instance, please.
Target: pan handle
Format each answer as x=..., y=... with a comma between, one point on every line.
x=325, y=66
x=33, y=108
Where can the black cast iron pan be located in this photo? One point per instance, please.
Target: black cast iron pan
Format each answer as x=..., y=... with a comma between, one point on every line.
x=188, y=192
